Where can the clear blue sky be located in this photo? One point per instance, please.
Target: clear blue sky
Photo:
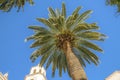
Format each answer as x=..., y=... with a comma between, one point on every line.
x=15, y=53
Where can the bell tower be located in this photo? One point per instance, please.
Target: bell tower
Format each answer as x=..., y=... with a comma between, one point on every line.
x=36, y=73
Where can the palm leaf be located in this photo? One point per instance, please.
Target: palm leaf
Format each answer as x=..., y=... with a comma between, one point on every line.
x=46, y=54
x=48, y=24
x=90, y=45
x=89, y=55
x=91, y=35
x=85, y=26
x=63, y=10
x=52, y=13
x=81, y=18
x=57, y=12
x=38, y=28
x=76, y=10
x=84, y=16
x=7, y=5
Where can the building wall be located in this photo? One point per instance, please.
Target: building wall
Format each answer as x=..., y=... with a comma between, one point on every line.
x=114, y=76
x=35, y=77
x=38, y=69
x=3, y=77
x=36, y=73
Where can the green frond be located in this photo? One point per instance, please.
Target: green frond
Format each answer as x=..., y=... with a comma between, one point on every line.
x=38, y=28
x=90, y=45
x=7, y=5
x=52, y=13
x=60, y=68
x=89, y=55
x=81, y=60
x=84, y=16
x=35, y=55
x=79, y=18
x=76, y=10
x=86, y=59
x=47, y=53
x=57, y=12
x=54, y=68
x=42, y=36
x=48, y=24
x=42, y=41
x=85, y=26
x=56, y=22
x=49, y=61
x=114, y=3
x=71, y=19
x=54, y=64
x=63, y=62
x=29, y=38
x=52, y=20
x=63, y=10
x=61, y=21
x=2, y=1
x=44, y=59
x=91, y=35
x=69, y=22
x=45, y=21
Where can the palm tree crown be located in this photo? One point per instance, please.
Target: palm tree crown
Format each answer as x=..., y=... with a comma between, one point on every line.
x=6, y=5
x=58, y=29
x=114, y=3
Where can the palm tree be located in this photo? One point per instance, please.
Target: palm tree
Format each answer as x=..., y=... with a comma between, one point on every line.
x=114, y=3
x=65, y=42
x=6, y=5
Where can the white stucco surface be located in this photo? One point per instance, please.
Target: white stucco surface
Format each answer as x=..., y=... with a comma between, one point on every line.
x=114, y=76
x=3, y=77
x=36, y=73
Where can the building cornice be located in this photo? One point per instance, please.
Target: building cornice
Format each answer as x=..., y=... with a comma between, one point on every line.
x=2, y=76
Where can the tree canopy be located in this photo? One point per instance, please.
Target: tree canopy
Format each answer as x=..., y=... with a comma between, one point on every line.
x=60, y=30
x=114, y=3
x=7, y=5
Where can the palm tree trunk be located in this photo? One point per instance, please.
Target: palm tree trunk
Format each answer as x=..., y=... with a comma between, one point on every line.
x=75, y=68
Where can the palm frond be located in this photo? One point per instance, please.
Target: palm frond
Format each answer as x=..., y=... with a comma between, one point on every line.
x=35, y=55
x=37, y=28
x=52, y=13
x=85, y=26
x=81, y=18
x=89, y=55
x=81, y=60
x=71, y=19
x=84, y=16
x=7, y=5
x=57, y=12
x=48, y=24
x=54, y=64
x=63, y=10
x=46, y=54
x=114, y=3
x=90, y=35
x=42, y=41
x=76, y=10
x=90, y=45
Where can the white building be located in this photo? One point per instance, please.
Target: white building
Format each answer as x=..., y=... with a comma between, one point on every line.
x=36, y=73
x=114, y=76
x=3, y=77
